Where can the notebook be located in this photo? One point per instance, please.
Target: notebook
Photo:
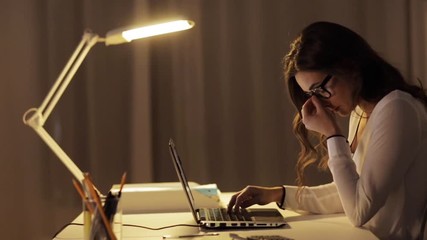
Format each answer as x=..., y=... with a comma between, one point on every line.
x=218, y=217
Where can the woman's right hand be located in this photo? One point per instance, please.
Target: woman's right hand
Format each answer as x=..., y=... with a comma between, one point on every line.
x=319, y=118
x=251, y=195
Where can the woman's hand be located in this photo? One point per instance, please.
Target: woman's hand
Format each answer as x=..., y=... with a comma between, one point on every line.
x=251, y=195
x=318, y=118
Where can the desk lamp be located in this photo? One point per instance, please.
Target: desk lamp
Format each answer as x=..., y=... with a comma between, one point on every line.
x=36, y=117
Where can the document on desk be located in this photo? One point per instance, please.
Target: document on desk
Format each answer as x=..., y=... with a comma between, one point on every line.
x=166, y=197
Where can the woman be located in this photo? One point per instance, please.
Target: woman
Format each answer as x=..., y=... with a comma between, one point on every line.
x=380, y=172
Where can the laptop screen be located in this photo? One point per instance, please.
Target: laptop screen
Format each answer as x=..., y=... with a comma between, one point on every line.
x=182, y=178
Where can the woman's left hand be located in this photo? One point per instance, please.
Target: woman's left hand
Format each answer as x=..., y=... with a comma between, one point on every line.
x=317, y=117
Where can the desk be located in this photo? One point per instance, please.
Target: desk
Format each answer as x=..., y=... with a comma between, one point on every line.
x=318, y=227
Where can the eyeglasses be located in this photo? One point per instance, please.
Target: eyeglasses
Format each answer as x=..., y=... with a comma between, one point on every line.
x=320, y=91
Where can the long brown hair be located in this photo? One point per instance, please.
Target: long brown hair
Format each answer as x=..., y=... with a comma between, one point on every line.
x=334, y=49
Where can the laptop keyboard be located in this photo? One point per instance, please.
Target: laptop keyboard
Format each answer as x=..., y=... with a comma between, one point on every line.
x=221, y=214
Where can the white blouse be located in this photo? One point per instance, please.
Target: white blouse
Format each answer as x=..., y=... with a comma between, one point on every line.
x=383, y=185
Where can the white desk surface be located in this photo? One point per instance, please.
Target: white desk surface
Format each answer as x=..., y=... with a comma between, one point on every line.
x=317, y=227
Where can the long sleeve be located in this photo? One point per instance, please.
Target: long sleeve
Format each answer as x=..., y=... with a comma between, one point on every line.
x=321, y=199
x=387, y=157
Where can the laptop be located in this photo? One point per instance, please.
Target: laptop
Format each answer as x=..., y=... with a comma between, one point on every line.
x=218, y=217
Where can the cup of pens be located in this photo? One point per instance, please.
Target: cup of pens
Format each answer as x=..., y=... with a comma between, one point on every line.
x=102, y=215
x=105, y=222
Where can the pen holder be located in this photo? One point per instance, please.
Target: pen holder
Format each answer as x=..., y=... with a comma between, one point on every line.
x=102, y=221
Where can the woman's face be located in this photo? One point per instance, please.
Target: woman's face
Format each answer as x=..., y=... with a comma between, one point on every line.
x=341, y=98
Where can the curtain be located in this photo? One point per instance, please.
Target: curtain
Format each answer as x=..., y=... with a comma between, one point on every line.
x=217, y=90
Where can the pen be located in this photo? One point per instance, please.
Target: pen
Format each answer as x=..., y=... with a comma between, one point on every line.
x=82, y=195
x=192, y=235
x=122, y=183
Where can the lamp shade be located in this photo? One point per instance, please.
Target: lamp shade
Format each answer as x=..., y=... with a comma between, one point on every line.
x=123, y=35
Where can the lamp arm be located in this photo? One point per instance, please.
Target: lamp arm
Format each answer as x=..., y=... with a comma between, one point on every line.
x=88, y=41
x=65, y=159
x=40, y=115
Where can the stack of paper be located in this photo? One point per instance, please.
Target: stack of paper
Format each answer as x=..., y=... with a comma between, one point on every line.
x=166, y=197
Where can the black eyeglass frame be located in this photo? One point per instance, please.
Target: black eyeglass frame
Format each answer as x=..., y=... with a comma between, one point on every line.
x=320, y=91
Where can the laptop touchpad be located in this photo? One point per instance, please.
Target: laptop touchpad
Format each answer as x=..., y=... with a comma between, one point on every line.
x=265, y=214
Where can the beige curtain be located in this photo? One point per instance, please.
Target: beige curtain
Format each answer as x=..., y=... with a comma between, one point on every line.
x=217, y=90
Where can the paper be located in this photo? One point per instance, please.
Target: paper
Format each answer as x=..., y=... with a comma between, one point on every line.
x=166, y=197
